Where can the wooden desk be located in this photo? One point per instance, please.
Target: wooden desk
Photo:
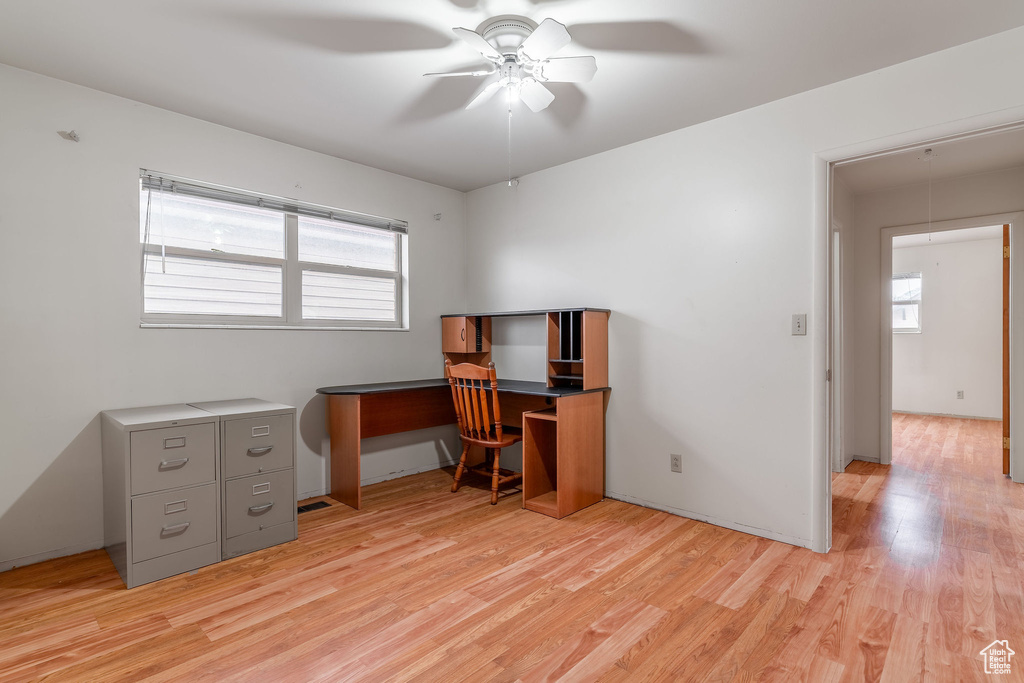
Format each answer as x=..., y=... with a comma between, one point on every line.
x=563, y=450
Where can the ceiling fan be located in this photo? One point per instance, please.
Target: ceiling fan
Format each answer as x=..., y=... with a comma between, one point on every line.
x=520, y=52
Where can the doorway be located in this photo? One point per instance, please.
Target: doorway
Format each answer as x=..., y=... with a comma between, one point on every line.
x=947, y=331
x=933, y=243
x=988, y=166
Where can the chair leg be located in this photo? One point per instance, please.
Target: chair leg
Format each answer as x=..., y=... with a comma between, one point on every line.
x=461, y=468
x=495, y=477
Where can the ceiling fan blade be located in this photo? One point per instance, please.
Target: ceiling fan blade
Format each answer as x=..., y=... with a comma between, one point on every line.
x=486, y=94
x=546, y=40
x=534, y=95
x=566, y=69
x=477, y=42
x=448, y=74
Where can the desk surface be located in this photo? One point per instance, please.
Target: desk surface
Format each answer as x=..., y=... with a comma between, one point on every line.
x=514, y=314
x=514, y=386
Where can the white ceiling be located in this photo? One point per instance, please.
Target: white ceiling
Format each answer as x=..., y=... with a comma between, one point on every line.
x=968, y=156
x=344, y=77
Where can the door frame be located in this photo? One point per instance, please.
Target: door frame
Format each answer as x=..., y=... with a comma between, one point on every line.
x=837, y=443
x=1016, y=222
x=825, y=162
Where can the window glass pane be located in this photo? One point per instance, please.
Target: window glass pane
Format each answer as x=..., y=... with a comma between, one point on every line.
x=206, y=287
x=331, y=296
x=342, y=244
x=906, y=289
x=192, y=223
x=905, y=317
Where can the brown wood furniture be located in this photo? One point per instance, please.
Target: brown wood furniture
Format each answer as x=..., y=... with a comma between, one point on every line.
x=577, y=343
x=480, y=423
x=562, y=418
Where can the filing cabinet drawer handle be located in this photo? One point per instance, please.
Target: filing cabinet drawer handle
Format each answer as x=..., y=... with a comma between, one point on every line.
x=172, y=464
x=175, y=528
x=260, y=451
x=261, y=508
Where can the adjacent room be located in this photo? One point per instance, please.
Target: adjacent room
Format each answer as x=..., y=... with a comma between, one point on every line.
x=511, y=340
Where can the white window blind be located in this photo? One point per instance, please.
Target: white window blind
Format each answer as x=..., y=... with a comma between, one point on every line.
x=218, y=257
x=906, y=302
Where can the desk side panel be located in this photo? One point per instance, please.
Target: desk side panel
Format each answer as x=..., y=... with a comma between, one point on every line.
x=595, y=349
x=580, y=451
x=343, y=426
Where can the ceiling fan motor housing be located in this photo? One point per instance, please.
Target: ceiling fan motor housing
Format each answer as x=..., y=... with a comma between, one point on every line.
x=506, y=33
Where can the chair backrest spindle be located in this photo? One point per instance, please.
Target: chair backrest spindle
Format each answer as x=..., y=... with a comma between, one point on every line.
x=478, y=414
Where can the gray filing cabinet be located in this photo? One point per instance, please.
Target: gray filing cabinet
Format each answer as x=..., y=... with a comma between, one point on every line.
x=161, y=501
x=257, y=446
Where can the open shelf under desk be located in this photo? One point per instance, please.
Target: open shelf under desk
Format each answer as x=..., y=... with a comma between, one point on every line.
x=563, y=455
x=546, y=503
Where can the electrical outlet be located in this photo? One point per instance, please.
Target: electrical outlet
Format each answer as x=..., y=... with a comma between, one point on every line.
x=960, y=393
x=799, y=324
x=676, y=462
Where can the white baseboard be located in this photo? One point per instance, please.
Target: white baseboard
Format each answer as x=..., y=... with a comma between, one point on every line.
x=384, y=477
x=960, y=417
x=405, y=473
x=754, y=531
x=7, y=565
x=867, y=458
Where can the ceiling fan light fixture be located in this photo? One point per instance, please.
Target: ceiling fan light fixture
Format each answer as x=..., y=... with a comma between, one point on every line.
x=521, y=53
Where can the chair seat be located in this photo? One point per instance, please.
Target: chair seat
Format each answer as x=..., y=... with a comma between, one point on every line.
x=507, y=440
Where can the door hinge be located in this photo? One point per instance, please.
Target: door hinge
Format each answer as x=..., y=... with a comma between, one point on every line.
x=1006, y=442
x=828, y=375
x=1006, y=252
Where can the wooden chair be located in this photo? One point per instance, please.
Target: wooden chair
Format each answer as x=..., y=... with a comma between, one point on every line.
x=478, y=425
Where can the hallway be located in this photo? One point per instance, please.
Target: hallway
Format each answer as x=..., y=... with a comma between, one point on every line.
x=938, y=541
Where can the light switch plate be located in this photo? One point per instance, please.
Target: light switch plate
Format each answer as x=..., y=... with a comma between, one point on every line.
x=799, y=323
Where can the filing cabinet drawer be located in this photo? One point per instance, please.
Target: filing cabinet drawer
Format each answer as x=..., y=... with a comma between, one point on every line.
x=258, y=502
x=164, y=523
x=258, y=444
x=172, y=456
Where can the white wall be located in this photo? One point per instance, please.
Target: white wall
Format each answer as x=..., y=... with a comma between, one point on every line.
x=704, y=242
x=69, y=301
x=978, y=195
x=960, y=343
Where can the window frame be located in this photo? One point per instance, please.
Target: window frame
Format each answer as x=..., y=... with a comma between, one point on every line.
x=291, y=281
x=917, y=302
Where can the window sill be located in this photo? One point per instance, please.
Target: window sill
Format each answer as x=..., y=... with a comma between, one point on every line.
x=214, y=326
x=906, y=331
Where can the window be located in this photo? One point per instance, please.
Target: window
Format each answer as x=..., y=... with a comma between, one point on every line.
x=906, y=302
x=218, y=257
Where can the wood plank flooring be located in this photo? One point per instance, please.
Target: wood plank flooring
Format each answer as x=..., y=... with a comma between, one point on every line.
x=426, y=585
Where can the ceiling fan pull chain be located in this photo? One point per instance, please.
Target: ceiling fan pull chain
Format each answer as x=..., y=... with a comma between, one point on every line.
x=510, y=136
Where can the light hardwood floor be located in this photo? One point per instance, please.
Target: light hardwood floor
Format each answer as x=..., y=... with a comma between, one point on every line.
x=428, y=585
